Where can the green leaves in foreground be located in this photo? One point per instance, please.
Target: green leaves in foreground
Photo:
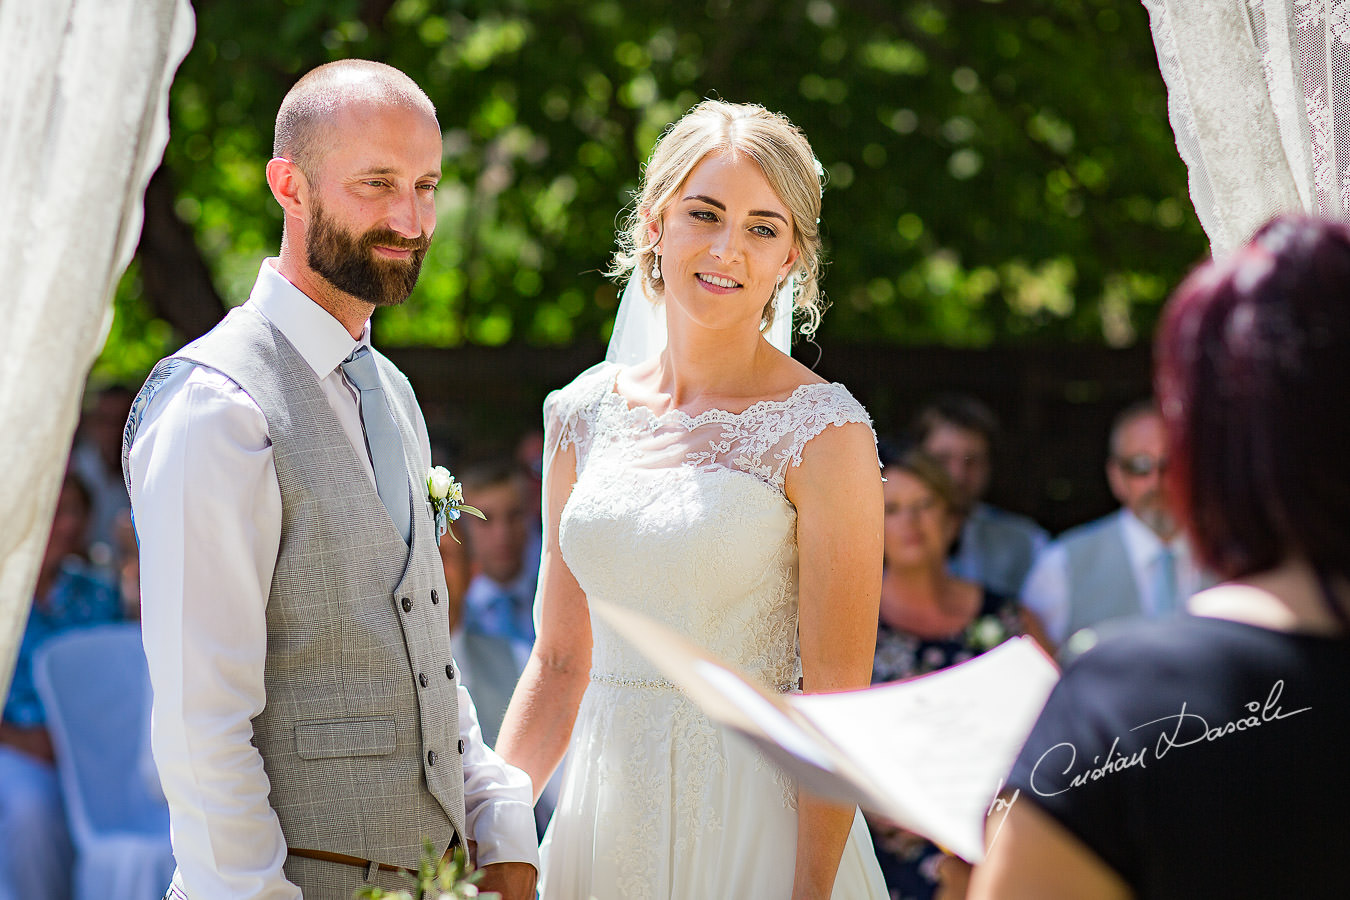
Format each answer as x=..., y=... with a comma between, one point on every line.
x=438, y=878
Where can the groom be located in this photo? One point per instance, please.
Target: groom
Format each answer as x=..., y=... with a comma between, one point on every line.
x=309, y=728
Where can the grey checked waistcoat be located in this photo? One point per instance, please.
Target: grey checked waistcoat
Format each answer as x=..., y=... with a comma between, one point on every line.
x=1102, y=584
x=360, y=734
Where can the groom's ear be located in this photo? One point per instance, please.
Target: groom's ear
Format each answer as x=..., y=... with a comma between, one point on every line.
x=289, y=186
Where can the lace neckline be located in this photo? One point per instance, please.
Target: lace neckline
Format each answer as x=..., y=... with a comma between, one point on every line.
x=688, y=422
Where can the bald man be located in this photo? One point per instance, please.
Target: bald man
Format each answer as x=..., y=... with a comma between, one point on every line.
x=309, y=726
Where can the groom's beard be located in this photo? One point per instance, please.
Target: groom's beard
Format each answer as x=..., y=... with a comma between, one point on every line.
x=348, y=261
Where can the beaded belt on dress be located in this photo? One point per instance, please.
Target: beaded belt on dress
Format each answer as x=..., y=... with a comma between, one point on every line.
x=660, y=684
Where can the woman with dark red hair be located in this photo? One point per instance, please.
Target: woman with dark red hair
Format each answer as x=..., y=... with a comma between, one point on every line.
x=1205, y=756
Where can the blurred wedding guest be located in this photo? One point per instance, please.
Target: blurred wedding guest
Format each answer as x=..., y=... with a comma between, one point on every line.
x=35, y=850
x=1133, y=563
x=129, y=571
x=994, y=547
x=500, y=598
x=1205, y=757
x=487, y=663
x=496, y=625
x=530, y=458
x=97, y=459
x=929, y=620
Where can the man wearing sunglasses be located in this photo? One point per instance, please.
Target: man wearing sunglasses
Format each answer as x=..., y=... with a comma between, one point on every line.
x=1132, y=563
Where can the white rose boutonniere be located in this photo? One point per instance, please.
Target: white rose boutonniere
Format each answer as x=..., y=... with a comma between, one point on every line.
x=988, y=633
x=447, y=500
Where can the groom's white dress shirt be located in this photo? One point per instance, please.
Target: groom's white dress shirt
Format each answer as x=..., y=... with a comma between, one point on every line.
x=203, y=463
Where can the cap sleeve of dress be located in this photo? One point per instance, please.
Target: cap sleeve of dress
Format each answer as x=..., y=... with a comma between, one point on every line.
x=570, y=412
x=818, y=407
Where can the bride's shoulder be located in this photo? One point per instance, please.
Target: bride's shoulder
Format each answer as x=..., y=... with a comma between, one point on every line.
x=577, y=400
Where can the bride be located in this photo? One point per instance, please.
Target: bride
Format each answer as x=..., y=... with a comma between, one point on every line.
x=727, y=491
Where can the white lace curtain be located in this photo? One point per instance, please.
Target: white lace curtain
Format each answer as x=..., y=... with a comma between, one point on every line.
x=1258, y=92
x=83, y=123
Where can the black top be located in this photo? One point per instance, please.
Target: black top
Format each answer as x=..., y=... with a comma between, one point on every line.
x=1202, y=758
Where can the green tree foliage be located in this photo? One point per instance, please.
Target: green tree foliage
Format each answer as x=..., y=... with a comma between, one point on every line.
x=999, y=171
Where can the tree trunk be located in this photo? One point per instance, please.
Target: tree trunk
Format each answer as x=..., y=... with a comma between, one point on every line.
x=177, y=282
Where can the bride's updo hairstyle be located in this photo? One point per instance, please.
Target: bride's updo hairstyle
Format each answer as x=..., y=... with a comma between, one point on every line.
x=783, y=155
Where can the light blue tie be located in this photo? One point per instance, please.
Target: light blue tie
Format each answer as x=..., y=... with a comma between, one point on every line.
x=1165, y=581
x=383, y=439
x=505, y=617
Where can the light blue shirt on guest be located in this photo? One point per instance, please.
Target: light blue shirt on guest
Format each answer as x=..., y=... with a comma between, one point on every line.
x=503, y=611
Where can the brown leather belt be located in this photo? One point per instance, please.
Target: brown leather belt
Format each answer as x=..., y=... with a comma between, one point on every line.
x=344, y=859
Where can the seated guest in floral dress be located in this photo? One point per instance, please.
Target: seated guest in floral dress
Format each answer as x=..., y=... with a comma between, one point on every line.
x=929, y=620
x=35, y=852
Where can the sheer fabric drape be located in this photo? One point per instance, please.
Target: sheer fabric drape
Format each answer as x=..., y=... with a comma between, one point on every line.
x=83, y=123
x=1259, y=99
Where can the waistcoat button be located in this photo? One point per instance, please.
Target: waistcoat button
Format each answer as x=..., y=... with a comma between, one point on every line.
x=461, y=746
x=431, y=757
x=434, y=597
x=450, y=671
x=422, y=679
x=407, y=605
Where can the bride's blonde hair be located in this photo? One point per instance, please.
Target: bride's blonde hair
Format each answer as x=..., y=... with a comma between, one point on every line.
x=782, y=153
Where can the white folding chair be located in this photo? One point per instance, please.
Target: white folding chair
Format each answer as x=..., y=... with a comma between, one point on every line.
x=95, y=689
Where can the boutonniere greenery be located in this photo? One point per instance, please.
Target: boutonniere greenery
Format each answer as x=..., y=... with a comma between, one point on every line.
x=438, y=878
x=446, y=497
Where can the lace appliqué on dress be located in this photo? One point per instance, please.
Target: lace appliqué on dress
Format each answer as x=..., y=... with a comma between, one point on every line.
x=569, y=413
x=776, y=429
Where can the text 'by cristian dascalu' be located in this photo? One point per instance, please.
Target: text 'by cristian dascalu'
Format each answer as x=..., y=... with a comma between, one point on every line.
x=1182, y=729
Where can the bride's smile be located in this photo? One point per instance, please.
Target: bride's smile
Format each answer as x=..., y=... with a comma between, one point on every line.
x=716, y=283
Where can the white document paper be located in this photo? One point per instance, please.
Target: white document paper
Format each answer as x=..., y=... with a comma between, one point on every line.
x=929, y=753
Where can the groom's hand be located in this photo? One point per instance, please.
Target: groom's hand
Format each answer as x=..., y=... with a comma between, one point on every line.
x=513, y=880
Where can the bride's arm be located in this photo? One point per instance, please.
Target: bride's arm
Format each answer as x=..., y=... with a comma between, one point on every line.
x=837, y=492
x=539, y=721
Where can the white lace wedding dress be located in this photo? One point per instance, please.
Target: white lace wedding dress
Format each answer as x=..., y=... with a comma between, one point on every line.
x=684, y=518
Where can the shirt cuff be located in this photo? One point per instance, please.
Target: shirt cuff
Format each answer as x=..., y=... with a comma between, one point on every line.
x=508, y=831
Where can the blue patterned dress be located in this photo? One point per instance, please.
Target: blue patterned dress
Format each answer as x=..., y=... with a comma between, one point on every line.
x=78, y=598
